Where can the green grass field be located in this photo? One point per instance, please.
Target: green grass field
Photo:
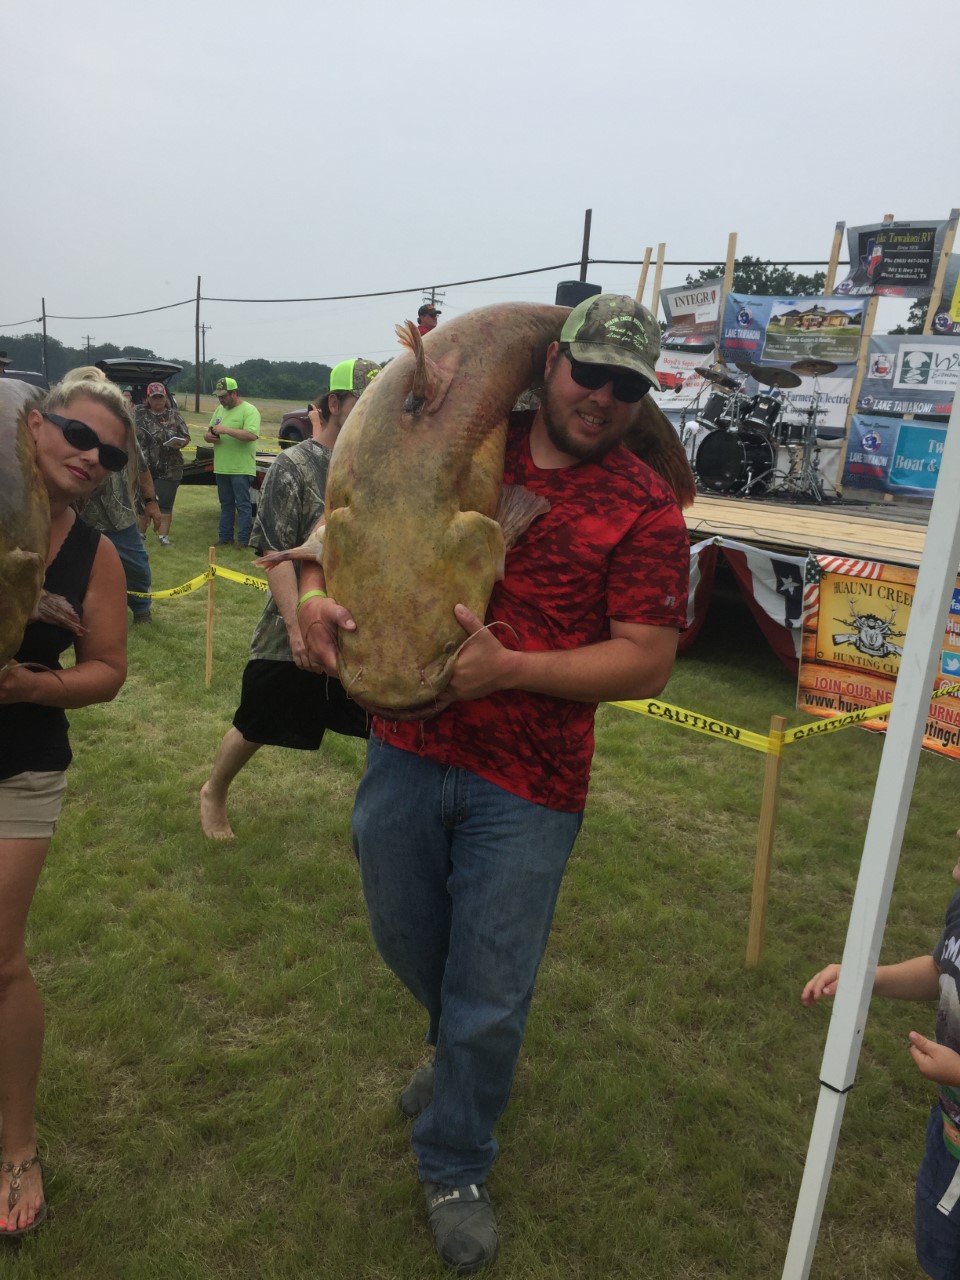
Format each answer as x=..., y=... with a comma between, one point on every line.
x=224, y=1051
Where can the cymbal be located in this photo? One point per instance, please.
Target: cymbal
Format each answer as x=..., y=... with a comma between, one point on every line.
x=771, y=377
x=813, y=368
x=743, y=365
x=714, y=375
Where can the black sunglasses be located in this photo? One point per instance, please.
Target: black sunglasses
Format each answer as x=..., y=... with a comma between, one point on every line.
x=85, y=438
x=627, y=387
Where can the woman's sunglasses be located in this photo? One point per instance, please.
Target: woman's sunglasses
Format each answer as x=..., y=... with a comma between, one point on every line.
x=627, y=387
x=85, y=438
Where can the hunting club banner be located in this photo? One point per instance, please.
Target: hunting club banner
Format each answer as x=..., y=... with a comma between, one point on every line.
x=692, y=313
x=896, y=259
x=855, y=617
x=907, y=374
x=767, y=330
x=893, y=456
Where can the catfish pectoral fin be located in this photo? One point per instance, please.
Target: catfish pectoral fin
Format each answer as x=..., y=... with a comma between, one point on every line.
x=312, y=549
x=517, y=508
x=60, y=612
x=430, y=380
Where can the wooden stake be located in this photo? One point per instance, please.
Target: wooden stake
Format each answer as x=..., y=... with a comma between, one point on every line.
x=647, y=253
x=831, y=279
x=208, y=673
x=765, y=834
x=655, y=300
x=729, y=268
x=948, y=239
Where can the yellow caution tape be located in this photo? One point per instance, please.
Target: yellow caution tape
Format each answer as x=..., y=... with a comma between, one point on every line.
x=212, y=571
x=245, y=579
x=701, y=724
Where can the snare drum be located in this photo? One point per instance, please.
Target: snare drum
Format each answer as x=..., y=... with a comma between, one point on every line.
x=741, y=463
x=713, y=410
x=764, y=413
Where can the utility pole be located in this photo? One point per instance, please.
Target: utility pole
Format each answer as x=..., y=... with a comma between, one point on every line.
x=436, y=295
x=87, y=339
x=203, y=358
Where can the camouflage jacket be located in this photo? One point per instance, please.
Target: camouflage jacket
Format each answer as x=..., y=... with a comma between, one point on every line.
x=153, y=431
x=109, y=507
x=291, y=503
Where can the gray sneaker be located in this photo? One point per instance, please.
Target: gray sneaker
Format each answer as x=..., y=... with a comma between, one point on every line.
x=464, y=1226
x=418, y=1094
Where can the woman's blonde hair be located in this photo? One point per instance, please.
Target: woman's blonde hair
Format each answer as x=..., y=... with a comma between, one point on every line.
x=94, y=383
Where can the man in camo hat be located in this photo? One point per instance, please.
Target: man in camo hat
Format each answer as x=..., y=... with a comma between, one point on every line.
x=464, y=822
x=282, y=702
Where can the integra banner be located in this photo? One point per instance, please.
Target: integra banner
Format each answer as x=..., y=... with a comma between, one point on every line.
x=894, y=259
x=906, y=374
x=893, y=456
x=692, y=313
x=767, y=330
x=855, y=618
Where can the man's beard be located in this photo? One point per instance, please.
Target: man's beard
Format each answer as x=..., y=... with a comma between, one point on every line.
x=561, y=439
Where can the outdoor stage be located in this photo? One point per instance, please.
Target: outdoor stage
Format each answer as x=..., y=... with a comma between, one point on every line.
x=875, y=531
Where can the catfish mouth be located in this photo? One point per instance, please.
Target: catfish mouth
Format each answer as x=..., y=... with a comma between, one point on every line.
x=424, y=707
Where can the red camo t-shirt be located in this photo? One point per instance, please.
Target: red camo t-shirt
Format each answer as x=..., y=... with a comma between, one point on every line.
x=613, y=545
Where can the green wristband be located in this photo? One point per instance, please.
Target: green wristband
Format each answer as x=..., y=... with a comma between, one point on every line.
x=308, y=595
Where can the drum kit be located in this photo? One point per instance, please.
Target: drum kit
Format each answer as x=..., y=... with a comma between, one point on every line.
x=735, y=442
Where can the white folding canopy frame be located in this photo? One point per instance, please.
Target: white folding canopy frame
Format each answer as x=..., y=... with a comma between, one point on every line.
x=881, y=849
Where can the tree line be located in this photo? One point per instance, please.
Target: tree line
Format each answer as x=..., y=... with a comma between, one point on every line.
x=272, y=379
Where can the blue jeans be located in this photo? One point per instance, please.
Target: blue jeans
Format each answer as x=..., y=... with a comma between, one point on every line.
x=937, y=1233
x=461, y=879
x=234, y=495
x=136, y=566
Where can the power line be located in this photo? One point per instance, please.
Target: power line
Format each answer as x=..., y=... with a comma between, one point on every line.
x=119, y=315
x=421, y=289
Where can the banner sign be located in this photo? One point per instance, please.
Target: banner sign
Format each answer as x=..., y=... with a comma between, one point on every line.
x=692, y=313
x=946, y=318
x=896, y=259
x=907, y=374
x=855, y=617
x=893, y=456
x=679, y=381
x=832, y=402
x=772, y=330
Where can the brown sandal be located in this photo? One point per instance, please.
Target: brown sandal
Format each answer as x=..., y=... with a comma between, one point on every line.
x=16, y=1172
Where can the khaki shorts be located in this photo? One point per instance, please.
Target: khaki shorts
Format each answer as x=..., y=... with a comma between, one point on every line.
x=30, y=805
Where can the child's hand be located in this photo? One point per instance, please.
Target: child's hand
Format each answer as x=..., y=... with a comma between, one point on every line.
x=822, y=984
x=935, y=1061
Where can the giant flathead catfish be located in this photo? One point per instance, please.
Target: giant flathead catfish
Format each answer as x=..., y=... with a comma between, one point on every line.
x=417, y=516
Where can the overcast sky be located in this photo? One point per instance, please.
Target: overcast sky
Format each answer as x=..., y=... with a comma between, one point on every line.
x=283, y=149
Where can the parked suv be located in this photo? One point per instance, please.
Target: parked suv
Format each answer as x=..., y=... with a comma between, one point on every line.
x=138, y=374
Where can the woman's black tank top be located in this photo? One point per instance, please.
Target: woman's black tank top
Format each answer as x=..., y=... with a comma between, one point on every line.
x=34, y=737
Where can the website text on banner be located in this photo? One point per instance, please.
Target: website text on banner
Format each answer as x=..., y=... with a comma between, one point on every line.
x=855, y=616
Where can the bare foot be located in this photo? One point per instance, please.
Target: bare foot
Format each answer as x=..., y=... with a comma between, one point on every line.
x=213, y=816
x=30, y=1201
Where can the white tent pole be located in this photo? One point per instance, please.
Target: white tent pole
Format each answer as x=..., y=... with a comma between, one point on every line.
x=919, y=666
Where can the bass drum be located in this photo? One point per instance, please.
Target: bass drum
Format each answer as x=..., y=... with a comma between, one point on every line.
x=741, y=464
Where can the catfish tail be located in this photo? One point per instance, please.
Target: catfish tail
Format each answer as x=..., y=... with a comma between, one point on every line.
x=654, y=441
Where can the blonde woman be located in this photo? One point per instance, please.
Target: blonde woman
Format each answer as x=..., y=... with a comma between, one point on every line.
x=82, y=430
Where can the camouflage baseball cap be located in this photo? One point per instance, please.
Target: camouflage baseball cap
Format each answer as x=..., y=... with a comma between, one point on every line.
x=611, y=328
x=353, y=375
x=225, y=386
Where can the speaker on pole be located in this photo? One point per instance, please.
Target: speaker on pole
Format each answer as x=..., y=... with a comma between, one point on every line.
x=570, y=293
